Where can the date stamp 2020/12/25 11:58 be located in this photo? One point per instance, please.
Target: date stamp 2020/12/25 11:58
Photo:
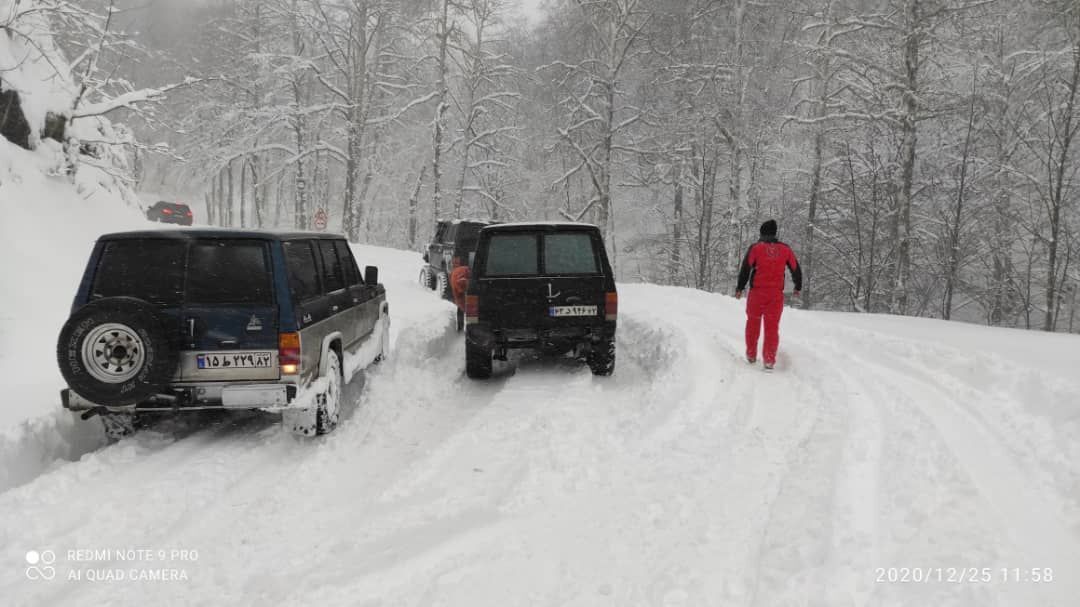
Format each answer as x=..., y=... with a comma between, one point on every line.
x=963, y=575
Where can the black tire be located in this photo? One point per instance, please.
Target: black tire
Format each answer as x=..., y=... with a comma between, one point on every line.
x=477, y=361
x=131, y=333
x=442, y=285
x=460, y=320
x=427, y=280
x=328, y=408
x=601, y=359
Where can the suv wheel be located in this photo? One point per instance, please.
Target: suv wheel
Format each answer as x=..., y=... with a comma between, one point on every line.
x=477, y=361
x=601, y=359
x=328, y=409
x=442, y=285
x=426, y=279
x=115, y=351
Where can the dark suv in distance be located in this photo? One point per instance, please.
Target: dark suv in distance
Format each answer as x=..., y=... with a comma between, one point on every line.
x=188, y=320
x=546, y=286
x=170, y=212
x=452, y=245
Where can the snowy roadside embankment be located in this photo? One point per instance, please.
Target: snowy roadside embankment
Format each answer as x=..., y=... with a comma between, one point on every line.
x=46, y=236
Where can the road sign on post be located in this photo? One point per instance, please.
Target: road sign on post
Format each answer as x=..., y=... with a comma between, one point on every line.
x=320, y=220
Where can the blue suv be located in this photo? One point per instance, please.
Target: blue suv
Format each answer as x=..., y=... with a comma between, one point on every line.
x=188, y=320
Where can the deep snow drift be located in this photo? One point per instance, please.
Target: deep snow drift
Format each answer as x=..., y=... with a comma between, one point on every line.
x=688, y=478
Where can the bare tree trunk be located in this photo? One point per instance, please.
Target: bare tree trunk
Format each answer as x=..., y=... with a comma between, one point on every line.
x=353, y=208
x=811, y=218
x=440, y=111
x=1058, y=201
x=299, y=125
x=257, y=192
x=230, y=199
x=243, y=190
x=413, y=203
x=954, y=233
x=676, y=230
x=908, y=137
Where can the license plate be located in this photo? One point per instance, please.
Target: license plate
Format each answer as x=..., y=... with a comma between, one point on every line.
x=562, y=311
x=235, y=360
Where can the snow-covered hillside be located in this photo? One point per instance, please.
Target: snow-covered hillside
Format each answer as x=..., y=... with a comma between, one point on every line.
x=688, y=478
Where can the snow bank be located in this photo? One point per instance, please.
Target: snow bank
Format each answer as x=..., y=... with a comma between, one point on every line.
x=48, y=229
x=31, y=64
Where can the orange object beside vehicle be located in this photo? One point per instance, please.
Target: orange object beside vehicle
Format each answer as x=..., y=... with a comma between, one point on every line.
x=459, y=284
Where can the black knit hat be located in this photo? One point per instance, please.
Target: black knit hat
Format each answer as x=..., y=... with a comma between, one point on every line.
x=769, y=228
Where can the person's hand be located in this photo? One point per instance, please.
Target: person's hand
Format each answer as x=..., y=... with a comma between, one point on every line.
x=796, y=293
x=738, y=294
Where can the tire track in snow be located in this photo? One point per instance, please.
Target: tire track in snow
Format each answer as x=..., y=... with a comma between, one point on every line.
x=1032, y=523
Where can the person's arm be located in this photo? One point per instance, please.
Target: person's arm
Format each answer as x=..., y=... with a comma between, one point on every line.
x=744, y=272
x=796, y=270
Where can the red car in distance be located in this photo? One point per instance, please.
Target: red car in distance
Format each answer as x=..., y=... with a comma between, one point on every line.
x=170, y=212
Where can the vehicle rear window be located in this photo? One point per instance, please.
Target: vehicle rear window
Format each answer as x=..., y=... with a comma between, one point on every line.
x=150, y=269
x=229, y=271
x=510, y=254
x=303, y=273
x=569, y=254
x=333, y=274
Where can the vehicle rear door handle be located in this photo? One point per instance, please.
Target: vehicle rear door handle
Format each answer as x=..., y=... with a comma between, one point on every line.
x=335, y=308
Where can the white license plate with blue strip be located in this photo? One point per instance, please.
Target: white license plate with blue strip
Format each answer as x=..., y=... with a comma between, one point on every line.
x=234, y=360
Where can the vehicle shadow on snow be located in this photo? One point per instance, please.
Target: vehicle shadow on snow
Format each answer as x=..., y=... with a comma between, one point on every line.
x=528, y=361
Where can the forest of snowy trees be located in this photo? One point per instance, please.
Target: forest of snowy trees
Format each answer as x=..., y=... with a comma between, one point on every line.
x=920, y=155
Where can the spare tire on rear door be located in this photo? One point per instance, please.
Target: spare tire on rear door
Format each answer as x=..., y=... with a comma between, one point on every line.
x=116, y=351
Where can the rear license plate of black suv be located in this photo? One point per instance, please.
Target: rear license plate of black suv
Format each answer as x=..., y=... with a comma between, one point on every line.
x=235, y=360
x=564, y=311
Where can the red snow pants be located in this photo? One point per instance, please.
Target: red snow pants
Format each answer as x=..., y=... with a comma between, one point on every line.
x=763, y=305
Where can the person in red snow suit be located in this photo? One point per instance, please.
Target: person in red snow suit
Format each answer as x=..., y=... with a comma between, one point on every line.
x=459, y=287
x=763, y=269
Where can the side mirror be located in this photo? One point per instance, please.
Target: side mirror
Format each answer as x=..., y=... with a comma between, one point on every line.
x=371, y=276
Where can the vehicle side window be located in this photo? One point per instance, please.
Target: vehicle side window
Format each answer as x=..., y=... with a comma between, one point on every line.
x=569, y=254
x=348, y=263
x=333, y=274
x=440, y=231
x=303, y=273
x=511, y=254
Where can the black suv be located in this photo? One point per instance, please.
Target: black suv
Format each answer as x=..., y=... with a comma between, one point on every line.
x=453, y=243
x=170, y=212
x=187, y=320
x=547, y=286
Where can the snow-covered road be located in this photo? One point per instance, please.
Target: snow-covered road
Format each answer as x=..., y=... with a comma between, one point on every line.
x=688, y=478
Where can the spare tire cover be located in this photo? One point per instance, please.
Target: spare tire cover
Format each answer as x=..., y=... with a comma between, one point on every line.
x=116, y=351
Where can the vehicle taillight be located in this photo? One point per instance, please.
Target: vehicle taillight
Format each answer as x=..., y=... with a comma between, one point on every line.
x=167, y=211
x=472, y=309
x=611, y=306
x=189, y=213
x=289, y=353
